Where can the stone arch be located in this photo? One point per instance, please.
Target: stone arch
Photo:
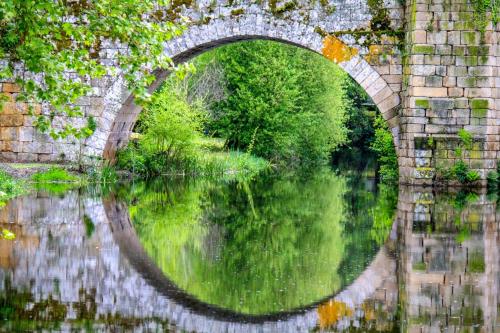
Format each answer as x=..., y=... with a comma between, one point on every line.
x=120, y=112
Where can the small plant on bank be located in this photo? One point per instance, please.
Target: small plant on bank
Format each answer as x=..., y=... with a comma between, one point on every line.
x=54, y=175
x=9, y=187
x=55, y=180
x=460, y=171
x=102, y=175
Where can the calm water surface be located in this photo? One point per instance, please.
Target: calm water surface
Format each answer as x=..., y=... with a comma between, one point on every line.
x=278, y=253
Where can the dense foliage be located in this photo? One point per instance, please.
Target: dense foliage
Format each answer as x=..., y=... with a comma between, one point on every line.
x=361, y=113
x=281, y=102
x=171, y=140
x=52, y=51
x=383, y=146
x=9, y=187
x=253, y=246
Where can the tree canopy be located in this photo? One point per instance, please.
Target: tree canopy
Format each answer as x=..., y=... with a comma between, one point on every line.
x=281, y=102
x=53, y=49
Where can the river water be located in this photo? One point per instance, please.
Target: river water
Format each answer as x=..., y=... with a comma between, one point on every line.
x=276, y=253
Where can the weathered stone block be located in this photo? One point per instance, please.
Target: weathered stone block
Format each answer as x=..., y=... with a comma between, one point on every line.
x=434, y=81
x=432, y=59
x=441, y=70
x=466, y=82
x=26, y=134
x=422, y=103
x=466, y=61
x=470, y=37
x=11, y=120
x=443, y=49
x=442, y=104
x=455, y=92
x=479, y=103
x=437, y=37
x=479, y=113
x=449, y=81
x=423, y=49
x=430, y=92
x=419, y=36
x=454, y=37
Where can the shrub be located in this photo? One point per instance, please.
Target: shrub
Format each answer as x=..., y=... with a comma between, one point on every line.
x=54, y=175
x=102, y=175
x=383, y=146
x=472, y=176
x=171, y=127
x=9, y=187
x=460, y=171
x=55, y=180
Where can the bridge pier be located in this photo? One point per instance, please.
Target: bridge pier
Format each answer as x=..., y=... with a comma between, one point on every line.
x=449, y=86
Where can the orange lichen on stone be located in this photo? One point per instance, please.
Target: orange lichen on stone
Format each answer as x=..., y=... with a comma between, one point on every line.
x=331, y=312
x=335, y=50
x=369, y=311
x=378, y=52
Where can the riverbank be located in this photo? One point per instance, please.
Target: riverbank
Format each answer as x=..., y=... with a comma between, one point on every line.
x=209, y=158
x=213, y=161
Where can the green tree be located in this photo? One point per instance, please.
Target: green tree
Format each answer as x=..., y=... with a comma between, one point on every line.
x=383, y=146
x=170, y=129
x=284, y=102
x=361, y=112
x=51, y=49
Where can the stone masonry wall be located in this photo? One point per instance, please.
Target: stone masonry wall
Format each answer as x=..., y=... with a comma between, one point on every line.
x=449, y=85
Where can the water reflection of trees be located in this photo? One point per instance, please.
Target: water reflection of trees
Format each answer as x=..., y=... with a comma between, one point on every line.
x=271, y=244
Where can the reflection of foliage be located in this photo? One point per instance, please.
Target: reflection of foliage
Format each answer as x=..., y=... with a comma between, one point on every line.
x=461, y=200
x=476, y=262
x=384, y=213
x=331, y=312
x=361, y=233
x=419, y=266
x=89, y=225
x=14, y=306
x=20, y=311
x=7, y=234
x=272, y=244
x=463, y=234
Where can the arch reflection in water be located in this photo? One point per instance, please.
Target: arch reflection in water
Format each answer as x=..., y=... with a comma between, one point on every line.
x=259, y=248
x=73, y=268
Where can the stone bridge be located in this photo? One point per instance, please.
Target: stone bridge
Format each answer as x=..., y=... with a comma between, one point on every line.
x=430, y=66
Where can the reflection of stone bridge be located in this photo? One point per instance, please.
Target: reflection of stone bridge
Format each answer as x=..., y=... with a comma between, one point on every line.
x=446, y=82
x=446, y=272
x=53, y=257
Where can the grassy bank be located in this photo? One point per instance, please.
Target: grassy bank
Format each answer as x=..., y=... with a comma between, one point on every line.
x=210, y=158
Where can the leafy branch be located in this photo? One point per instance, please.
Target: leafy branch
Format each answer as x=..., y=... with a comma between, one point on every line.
x=54, y=49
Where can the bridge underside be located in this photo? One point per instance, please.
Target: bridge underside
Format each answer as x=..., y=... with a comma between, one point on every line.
x=445, y=86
